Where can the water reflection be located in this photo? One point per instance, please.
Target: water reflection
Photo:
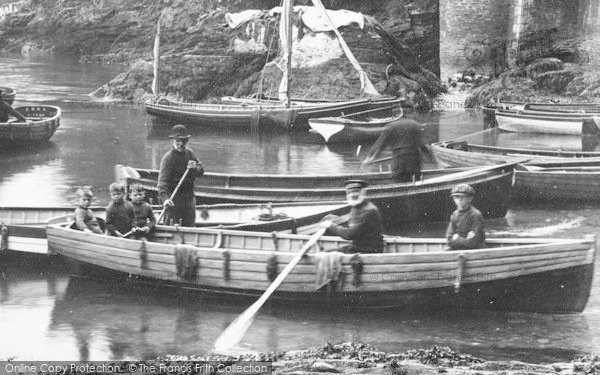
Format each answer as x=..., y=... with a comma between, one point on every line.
x=112, y=321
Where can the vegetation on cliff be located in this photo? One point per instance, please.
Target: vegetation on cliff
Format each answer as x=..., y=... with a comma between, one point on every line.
x=202, y=58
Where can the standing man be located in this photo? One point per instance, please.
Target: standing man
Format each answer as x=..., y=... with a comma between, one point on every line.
x=182, y=209
x=405, y=138
x=365, y=226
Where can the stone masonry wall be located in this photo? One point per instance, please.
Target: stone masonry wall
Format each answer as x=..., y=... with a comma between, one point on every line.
x=468, y=29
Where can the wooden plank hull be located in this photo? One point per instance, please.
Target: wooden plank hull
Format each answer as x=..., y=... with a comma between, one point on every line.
x=41, y=126
x=263, y=116
x=549, y=178
x=539, y=122
x=542, y=275
x=427, y=200
x=26, y=225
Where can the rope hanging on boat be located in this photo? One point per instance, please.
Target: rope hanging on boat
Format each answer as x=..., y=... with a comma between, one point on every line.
x=275, y=244
x=459, y=274
x=143, y=255
x=272, y=268
x=226, y=264
x=3, y=237
x=357, y=269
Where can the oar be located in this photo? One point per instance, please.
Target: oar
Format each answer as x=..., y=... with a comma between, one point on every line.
x=235, y=331
x=173, y=194
x=13, y=111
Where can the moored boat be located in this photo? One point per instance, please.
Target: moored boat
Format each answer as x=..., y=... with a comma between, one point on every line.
x=425, y=200
x=25, y=227
x=547, y=175
x=259, y=115
x=549, y=122
x=42, y=122
x=349, y=130
x=542, y=275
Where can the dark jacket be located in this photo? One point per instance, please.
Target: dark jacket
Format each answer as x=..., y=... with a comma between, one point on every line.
x=404, y=137
x=365, y=228
x=143, y=215
x=463, y=222
x=172, y=167
x=119, y=216
x=85, y=219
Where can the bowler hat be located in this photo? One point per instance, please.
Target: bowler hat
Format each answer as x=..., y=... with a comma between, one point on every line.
x=179, y=132
x=355, y=184
x=462, y=189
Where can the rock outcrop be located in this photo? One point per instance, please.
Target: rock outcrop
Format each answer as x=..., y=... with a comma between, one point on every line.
x=202, y=58
x=544, y=80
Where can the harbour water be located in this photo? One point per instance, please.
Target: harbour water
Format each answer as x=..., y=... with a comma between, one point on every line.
x=48, y=315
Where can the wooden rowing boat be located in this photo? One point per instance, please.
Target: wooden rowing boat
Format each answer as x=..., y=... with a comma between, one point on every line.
x=26, y=226
x=348, y=130
x=462, y=154
x=42, y=122
x=542, y=275
x=259, y=115
x=547, y=175
x=426, y=200
x=528, y=121
x=490, y=109
x=568, y=181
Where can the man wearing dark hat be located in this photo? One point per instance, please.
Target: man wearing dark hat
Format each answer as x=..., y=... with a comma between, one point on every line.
x=405, y=138
x=465, y=230
x=182, y=209
x=365, y=225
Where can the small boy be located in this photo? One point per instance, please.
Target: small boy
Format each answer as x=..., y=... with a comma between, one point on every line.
x=465, y=230
x=84, y=217
x=119, y=213
x=143, y=217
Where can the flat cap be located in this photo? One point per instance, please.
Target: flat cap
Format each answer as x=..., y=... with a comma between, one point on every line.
x=179, y=132
x=355, y=184
x=462, y=189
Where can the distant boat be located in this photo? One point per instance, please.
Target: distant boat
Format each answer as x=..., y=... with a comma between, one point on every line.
x=42, y=122
x=26, y=226
x=259, y=114
x=538, y=275
x=349, y=130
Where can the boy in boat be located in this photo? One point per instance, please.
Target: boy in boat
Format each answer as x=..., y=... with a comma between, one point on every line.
x=465, y=230
x=84, y=217
x=119, y=213
x=143, y=217
x=182, y=209
x=405, y=138
x=365, y=225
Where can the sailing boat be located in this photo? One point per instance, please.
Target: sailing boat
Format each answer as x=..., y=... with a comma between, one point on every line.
x=284, y=114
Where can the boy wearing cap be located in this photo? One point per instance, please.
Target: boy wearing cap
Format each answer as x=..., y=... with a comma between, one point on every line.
x=84, y=217
x=119, y=213
x=365, y=226
x=465, y=230
x=172, y=167
x=143, y=217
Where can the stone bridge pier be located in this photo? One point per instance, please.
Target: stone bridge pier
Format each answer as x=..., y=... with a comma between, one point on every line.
x=490, y=36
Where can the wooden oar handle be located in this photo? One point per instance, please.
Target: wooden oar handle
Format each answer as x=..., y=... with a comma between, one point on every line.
x=13, y=111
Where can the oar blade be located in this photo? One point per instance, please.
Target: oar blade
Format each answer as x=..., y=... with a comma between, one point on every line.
x=233, y=334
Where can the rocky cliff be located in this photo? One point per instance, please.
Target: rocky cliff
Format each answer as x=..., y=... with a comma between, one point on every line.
x=202, y=58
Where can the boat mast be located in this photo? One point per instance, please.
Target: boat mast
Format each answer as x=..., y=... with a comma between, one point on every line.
x=288, y=11
x=156, y=59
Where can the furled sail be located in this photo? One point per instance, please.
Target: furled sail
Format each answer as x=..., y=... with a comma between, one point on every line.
x=285, y=37
x=156, y=58
x=365, y=84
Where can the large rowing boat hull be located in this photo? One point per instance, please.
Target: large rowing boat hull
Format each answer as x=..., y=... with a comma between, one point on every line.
x=427, y=200
x=539, y=122
x=542, y=275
